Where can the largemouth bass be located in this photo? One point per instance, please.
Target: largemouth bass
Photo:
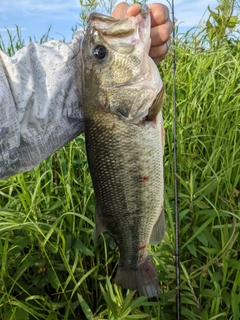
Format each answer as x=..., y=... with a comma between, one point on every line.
x=122, y=100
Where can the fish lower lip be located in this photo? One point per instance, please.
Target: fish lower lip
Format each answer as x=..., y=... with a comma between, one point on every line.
x=132, y=83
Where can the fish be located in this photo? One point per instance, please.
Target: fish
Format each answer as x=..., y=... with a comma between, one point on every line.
x=122, y=100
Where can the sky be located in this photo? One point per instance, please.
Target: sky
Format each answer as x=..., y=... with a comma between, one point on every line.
x=34, y=17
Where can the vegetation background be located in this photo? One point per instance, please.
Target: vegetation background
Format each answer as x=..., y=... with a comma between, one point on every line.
x=49, y=267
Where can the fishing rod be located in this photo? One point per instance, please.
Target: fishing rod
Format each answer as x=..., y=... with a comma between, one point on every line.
x=177, y=258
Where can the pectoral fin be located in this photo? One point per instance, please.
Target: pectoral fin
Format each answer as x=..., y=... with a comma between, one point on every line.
x=157, y=105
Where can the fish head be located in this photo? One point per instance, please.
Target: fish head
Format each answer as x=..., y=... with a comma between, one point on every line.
x=118, y=74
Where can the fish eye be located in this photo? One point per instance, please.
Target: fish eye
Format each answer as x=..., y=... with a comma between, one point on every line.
x=99, y=52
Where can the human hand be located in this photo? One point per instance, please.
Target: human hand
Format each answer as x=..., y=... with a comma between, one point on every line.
x=161, y=26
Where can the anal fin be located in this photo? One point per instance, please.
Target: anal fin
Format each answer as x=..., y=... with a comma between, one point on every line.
x=99, y=227
x=158, y=229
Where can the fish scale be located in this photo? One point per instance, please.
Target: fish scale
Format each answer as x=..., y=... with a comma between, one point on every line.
x=122, y=193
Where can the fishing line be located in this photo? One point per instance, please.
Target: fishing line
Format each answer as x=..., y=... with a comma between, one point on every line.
x=177, y=259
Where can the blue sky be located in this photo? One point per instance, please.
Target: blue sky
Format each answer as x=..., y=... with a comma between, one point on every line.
x=34, y=17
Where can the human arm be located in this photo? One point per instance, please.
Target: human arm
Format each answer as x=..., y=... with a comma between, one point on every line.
x=40, y=103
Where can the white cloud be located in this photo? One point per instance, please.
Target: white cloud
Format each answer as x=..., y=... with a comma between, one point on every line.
x=39, y=10
x=34, y=17
x=58, y=9
x=188, y=12
x=38, y=5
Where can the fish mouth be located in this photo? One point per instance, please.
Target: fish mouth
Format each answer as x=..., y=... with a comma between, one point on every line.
x=109, y=27
x=133, y=83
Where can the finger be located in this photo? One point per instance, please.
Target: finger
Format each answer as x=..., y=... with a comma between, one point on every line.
x=158, y=53
x=134, y=10
x=161, y=34
x=120, y=11
x=159, y=14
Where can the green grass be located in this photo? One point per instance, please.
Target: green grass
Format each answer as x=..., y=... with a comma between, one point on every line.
x=50, y=268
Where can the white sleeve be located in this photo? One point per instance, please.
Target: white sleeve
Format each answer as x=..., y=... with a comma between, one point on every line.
x=40, y=103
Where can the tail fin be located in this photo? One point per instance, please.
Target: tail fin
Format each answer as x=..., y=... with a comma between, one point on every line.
x=144, y=278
